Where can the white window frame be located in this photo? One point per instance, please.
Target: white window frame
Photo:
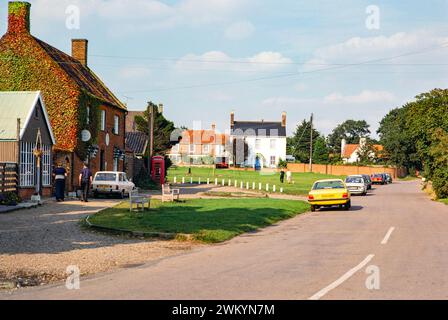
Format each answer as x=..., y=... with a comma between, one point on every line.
x=116, y=124
x=27, y=165
x=257, y=144
x=46, y=166
x=206, y=148
x=191, y=148
x=273, y=144
x=273, y=160
x=103, y=120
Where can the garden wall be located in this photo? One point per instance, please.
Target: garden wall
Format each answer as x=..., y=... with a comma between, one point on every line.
x=347, y=170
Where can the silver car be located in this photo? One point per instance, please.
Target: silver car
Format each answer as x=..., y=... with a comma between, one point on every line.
x=356, y=184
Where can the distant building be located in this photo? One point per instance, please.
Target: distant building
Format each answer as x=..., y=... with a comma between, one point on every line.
x=350, y=152
x=24, y=124
x=201, y=147
x=265, y=141
x=136, y=145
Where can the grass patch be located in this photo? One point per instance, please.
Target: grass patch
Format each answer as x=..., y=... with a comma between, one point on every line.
x=207, y=220
x=408, y=178
x=301, y=186
x=445, y=201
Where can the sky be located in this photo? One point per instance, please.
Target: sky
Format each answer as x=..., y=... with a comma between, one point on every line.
x=203, y=59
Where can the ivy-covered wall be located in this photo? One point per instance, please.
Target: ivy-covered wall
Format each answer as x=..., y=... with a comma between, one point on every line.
x=18, y=16
x=89, y=107
x=25, y=66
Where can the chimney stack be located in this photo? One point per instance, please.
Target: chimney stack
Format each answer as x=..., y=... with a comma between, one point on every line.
x=160, y=108
x=19, y=17
x=284, y=119
x=80, y=50
x=232, y=120
x=343, y=144
x=213, y=127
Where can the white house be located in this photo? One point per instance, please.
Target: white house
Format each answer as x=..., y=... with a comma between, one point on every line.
x=264, y=141
x=350, y=152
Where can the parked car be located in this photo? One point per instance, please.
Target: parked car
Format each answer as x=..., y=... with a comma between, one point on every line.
x=388, y=178
x=368, y=181
x=329, y=193
x=378, y=178
x=111, y=183
x=356, y=184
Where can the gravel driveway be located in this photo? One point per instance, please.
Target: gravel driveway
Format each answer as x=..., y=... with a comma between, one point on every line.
x=37, y=245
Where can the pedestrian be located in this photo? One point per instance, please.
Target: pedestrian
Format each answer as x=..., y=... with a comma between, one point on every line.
x=282, y=175
x=288, y=177
x=59, y=174
x=85, y=179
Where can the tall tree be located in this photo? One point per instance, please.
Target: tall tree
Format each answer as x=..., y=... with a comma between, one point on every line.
x=162, y=130
x=351, y=131
x=299, y=144
x=321, y=153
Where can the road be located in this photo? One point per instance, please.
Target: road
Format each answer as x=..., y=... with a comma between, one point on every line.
x=396, y=231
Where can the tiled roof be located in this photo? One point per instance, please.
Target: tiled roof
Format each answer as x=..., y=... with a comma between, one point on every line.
x=203, y=137
x=81, y=75
x=136, y=142
x=259, y=128
x=351, y=148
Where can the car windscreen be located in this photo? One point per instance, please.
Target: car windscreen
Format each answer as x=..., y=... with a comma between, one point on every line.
x=354, y=180
x=328, y=185
x=106, y=177
x=378, y=176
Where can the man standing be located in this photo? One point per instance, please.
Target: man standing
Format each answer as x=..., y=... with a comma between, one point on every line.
x=85, y=179
x=282, y=175
x=60, y=174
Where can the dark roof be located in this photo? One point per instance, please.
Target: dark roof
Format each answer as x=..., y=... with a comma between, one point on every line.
x=81, y=75
x=136, y=142
x=260, y=128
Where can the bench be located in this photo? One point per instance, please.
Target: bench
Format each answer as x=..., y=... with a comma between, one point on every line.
x=168, y=194
x=138, y=199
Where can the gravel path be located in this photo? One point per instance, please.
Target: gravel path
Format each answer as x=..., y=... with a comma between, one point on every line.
x=37, y=245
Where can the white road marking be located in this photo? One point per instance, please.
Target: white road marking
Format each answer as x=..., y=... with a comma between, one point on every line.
x=342, y=279
x=388, y=234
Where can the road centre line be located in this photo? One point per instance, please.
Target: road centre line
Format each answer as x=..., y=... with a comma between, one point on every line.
x=387, y=236
x=342, y=279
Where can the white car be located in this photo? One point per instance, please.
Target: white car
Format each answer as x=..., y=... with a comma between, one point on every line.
x=356, y=184
x=111, y=183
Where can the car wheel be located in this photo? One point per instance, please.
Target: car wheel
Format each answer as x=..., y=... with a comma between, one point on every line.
x=347, y=206
x=122, y=195
x=313, y=208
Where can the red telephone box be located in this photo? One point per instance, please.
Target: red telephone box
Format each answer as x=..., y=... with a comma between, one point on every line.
x=158, y=169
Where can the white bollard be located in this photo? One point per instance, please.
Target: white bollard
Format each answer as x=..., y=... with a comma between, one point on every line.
x=236, y=184
x=253, y=185
x=274, y=188
x=281, y=190
x=199, y=181
x=208, y=180
x=183, y=180
x=216, y=181
x=259, y=186
x=223, y=182
x=230, y=183
x=191, y=180
x=247, y=185
x=267, y=187
x=241, y=186
x=175, y=179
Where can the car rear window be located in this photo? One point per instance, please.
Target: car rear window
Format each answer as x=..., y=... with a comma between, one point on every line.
x=328, y=185
x=354, y=180
x=378, y=176
x=106, y=177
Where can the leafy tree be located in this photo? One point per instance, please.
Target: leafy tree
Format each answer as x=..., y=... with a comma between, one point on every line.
x=367, y=153
x=299, y=144
x=351, y=131
x=321, y=153
x=162, y=130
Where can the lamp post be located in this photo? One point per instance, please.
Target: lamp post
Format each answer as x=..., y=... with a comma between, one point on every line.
x=38, y=154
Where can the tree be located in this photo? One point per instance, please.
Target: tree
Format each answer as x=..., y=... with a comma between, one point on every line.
x=299, y=144
x=351, y=131
x=367, y=154
x=162, y=130
x=321, y=153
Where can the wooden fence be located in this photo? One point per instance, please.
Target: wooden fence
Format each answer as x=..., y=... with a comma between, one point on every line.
x=9, y=181
x=341, y=170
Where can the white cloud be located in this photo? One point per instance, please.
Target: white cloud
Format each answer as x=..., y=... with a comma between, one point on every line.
x=134, y=72
x=364, y=97
x=239, y=30
x=218, y=61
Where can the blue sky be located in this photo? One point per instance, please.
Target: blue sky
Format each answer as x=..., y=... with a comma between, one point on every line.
x=205, y=58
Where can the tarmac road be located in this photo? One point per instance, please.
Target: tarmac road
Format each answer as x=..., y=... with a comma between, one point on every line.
x=396, y=233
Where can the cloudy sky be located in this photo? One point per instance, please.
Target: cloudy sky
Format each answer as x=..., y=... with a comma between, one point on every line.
x=204, y=58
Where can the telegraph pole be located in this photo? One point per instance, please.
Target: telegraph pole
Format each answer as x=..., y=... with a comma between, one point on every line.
x=150, y=134
x=311, y=143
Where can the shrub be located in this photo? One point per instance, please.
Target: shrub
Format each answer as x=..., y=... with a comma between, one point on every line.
x=440, y=182
x=9, y=199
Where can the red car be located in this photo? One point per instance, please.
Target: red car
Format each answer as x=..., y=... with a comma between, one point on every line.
x=378, y=179
x=221, y=163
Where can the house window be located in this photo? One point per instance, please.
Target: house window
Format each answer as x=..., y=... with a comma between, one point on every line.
x=46, y=166
x=103, y=120
x=88, y=115
x=273, y=158
x=191, y=148
x=27, y=164
x=206, y=148
x=273, y=144
x=258, y=144
x=116, y=124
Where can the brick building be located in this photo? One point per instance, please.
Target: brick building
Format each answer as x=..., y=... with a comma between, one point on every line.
x=88, y=121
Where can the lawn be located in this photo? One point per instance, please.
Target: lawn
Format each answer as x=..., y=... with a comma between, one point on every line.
x=301, y=186
x=445, y=201
x=208, y=220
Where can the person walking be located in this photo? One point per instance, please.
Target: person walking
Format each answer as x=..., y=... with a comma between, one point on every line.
x=59, y=174
x=85, y=180
x=288, y=176
x=282, y=175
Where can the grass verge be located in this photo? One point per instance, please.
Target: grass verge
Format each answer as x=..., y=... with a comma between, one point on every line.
x=207, y=220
